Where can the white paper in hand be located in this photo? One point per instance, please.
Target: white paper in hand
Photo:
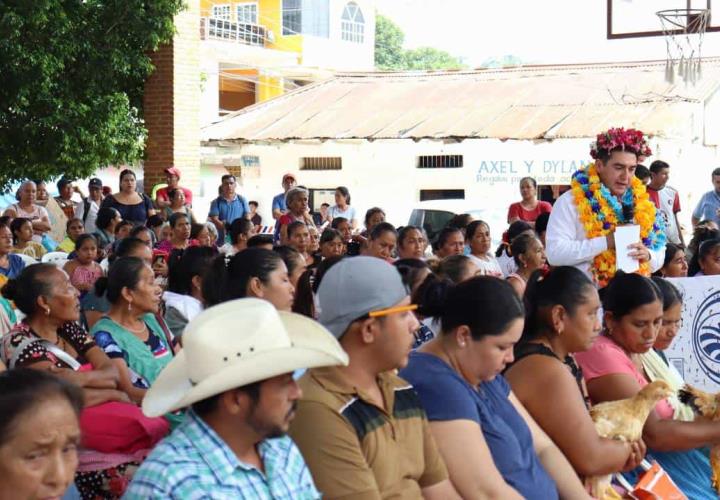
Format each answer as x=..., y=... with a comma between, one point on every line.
x=624, y=237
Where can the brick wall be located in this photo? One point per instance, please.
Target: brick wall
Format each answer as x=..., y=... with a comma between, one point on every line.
x=172, y=104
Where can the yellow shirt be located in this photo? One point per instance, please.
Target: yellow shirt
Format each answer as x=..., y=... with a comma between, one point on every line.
x=32, y=249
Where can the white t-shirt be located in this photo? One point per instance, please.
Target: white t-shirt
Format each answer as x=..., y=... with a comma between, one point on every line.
x=348, y=213
x=488, y=266
x=89, y=222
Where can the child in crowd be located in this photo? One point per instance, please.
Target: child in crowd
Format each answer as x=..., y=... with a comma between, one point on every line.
x=73, y=228
x=23, y=242
x=83, y=270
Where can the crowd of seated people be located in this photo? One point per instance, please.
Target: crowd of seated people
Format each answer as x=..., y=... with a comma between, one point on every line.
x=404, y=367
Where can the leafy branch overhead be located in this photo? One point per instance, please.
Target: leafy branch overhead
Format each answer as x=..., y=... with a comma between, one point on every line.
x=390, y=55
x=72, y=81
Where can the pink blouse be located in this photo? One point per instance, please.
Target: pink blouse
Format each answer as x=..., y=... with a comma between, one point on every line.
x=605, y=357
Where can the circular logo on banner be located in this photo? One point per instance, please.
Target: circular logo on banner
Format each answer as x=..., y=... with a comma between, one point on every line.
x=706, y=336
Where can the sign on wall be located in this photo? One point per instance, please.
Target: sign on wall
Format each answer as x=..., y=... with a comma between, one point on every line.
x=696, y=350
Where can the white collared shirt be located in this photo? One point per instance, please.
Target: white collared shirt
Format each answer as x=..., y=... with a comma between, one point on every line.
x=567, y=245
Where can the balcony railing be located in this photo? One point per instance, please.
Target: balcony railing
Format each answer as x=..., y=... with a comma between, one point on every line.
x=219, y=29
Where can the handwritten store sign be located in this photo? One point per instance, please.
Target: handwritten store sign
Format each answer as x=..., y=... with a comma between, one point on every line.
x=556, y=171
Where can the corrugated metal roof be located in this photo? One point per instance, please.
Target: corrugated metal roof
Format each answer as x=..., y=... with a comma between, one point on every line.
x=535, y=102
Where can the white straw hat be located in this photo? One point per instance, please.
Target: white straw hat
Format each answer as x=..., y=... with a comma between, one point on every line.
x=237, y=343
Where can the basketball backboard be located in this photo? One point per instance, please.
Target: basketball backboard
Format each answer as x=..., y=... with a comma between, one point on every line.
x=638, y=18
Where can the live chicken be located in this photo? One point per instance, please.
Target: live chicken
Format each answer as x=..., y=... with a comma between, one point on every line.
x=707, y=406
x=624, y=420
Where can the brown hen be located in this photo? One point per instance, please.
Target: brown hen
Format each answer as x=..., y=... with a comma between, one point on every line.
x=707, y=406
x=624, y=420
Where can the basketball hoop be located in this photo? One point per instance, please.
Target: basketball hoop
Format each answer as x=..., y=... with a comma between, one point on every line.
x=684, y=30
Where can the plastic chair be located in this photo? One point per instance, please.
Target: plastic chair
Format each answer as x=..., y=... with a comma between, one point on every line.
x=57, y=258
x=29, y=261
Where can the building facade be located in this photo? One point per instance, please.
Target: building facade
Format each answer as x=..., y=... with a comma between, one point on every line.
x=252, y=51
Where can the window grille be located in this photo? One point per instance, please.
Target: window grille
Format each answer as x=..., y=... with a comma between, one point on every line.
x=321, y=163
x=440, y=161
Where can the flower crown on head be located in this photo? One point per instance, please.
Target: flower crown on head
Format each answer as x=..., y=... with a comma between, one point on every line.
x=618, y=138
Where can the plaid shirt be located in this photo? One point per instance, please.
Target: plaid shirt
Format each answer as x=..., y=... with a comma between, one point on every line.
x=195, y=463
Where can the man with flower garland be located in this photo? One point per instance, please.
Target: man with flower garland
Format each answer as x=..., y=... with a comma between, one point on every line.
x=604, y=195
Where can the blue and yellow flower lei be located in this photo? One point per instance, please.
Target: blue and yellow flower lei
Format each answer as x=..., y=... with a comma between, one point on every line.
x=600, y=212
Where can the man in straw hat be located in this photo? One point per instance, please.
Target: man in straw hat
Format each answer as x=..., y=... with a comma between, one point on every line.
x=235, y=373
x=361, y=428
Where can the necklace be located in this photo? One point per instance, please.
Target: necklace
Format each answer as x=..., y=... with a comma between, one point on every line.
x=600, y=212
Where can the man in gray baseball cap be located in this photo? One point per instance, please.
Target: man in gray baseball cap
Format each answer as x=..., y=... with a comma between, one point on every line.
x=361, y=428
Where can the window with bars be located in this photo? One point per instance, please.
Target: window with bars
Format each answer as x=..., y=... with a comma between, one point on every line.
x=221, y=12
x=440, y=161
x=247, y=13
x=292, y=17
x=352, y=24
x=321, y=163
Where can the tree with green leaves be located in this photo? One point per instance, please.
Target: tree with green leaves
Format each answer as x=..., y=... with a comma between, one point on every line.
x=390, y=55
x=71, y=83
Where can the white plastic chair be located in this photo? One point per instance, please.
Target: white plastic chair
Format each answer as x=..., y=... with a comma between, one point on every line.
x=105, y=265
x=29, y=261
x=57, y=258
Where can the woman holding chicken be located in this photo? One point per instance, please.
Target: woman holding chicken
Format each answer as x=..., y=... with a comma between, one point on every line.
x=561, y=318
x=613, y=370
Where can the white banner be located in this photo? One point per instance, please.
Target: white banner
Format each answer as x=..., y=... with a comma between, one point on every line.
x=695, y=352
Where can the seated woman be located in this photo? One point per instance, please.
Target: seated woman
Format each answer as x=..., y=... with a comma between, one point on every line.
x=478, y=237
x=491, y=445
x=331, y=243
x=95, y=305
x=633, y=308
x=39, y=435
x=133, y=337
x=23, y=242
x=298, y=237
x=654, y=362
x=675, y=265
x=297, y=204
x=73, y=229
x=180, y=236
x=240, y=231
x=503, y=254
x=450, y=241
x=83, y=270
x=50, y=339
x=562, y=318
x=183, y=298
x=255, y=272
x=411, y=243
x=382, y=242
x=529, y=256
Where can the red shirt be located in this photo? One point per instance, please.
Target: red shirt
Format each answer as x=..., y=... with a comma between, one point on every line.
x=517, y=210
x=162, y=195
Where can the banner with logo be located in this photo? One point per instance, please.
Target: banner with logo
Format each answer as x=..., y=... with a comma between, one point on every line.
x=695, y=352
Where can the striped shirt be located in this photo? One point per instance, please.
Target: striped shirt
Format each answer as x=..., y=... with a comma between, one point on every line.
x=195, y=463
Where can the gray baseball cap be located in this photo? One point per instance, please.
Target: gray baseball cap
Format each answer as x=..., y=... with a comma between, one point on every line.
x=354, y=287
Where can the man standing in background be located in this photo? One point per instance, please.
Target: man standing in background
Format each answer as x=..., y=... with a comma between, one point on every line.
x=666, y=199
